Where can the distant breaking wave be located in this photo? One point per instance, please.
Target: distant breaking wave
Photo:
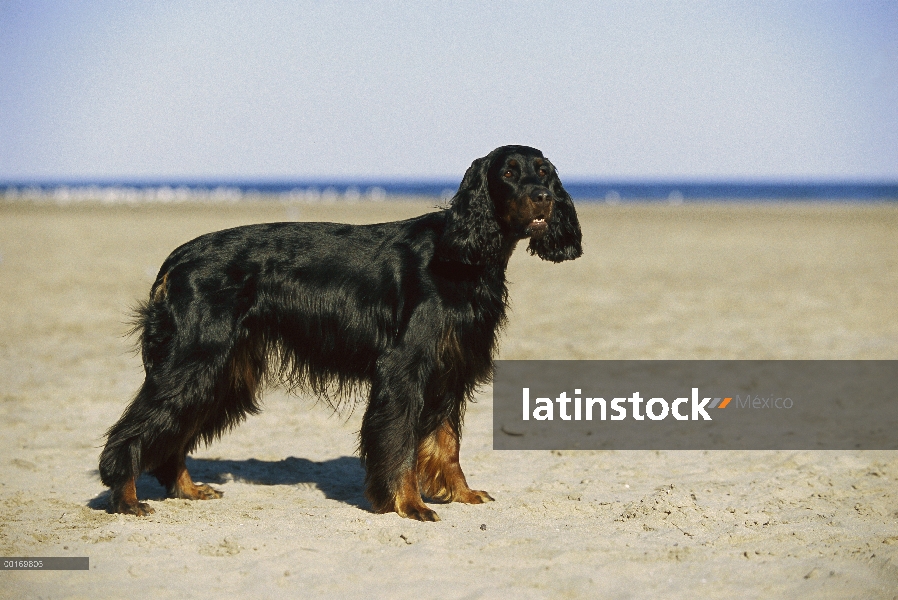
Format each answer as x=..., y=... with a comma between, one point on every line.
x=611, y=192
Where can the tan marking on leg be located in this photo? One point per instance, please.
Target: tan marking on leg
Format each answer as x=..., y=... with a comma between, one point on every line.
x=408, y=502
x=124, y=500
x=439, y=472
x=186, y=489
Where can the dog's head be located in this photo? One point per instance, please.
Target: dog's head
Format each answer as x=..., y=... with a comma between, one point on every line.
x=512, y=193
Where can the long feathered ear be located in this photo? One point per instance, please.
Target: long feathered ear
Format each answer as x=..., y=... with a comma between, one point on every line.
x=472, y=234
x=563, y=239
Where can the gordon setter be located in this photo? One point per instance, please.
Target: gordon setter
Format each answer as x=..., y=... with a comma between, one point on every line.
x=408, y=312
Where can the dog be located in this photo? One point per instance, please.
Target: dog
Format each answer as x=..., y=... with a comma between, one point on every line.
x=407, y=312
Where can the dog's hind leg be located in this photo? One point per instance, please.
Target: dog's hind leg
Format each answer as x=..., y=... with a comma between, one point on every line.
x=234, y=396
x=176, y=479
x=122, y=459
x=175, y=409
x=123, y=499
x=119, y=470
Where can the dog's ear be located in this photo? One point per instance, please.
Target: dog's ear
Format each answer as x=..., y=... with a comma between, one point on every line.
x=472, y=234
x=563, y=239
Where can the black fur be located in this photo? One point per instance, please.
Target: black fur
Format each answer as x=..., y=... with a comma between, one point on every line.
x=409, y=310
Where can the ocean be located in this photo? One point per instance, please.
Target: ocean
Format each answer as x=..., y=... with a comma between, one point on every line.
x=608, y=191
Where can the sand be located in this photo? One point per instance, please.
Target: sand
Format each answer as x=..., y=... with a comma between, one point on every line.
x=812, y=281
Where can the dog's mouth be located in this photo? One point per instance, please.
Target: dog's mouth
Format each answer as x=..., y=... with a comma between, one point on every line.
x=537, y=227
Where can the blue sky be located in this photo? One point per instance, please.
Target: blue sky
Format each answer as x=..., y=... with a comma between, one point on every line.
x=392, y=89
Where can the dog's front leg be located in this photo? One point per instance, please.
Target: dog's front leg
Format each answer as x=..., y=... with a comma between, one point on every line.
x=389, y=441
x=439, y=472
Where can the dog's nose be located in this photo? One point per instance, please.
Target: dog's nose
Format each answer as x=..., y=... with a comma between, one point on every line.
x=541, y=197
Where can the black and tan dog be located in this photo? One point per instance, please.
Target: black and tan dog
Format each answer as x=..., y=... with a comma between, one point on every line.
x=408, y=310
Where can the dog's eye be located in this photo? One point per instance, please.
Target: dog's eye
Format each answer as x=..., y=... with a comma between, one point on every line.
x=508, y=173
x=543, y=172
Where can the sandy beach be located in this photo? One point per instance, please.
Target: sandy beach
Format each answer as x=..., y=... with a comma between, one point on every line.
x=694, y=281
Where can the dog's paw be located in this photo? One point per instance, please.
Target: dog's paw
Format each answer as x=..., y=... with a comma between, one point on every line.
x=418, y=513
x=207, y=492
x=199, y=491
x=472, y=497
x=138, y=509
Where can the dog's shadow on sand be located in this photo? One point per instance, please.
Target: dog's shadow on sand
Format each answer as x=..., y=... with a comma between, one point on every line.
x=340, y=479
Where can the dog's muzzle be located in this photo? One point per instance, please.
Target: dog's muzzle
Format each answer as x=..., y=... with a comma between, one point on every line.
x=541, y=203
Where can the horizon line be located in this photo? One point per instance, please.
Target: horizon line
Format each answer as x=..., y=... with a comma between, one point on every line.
x=401, y=179
x=610, y=190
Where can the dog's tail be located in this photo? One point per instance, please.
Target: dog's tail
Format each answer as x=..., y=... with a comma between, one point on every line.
x=152, y=322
